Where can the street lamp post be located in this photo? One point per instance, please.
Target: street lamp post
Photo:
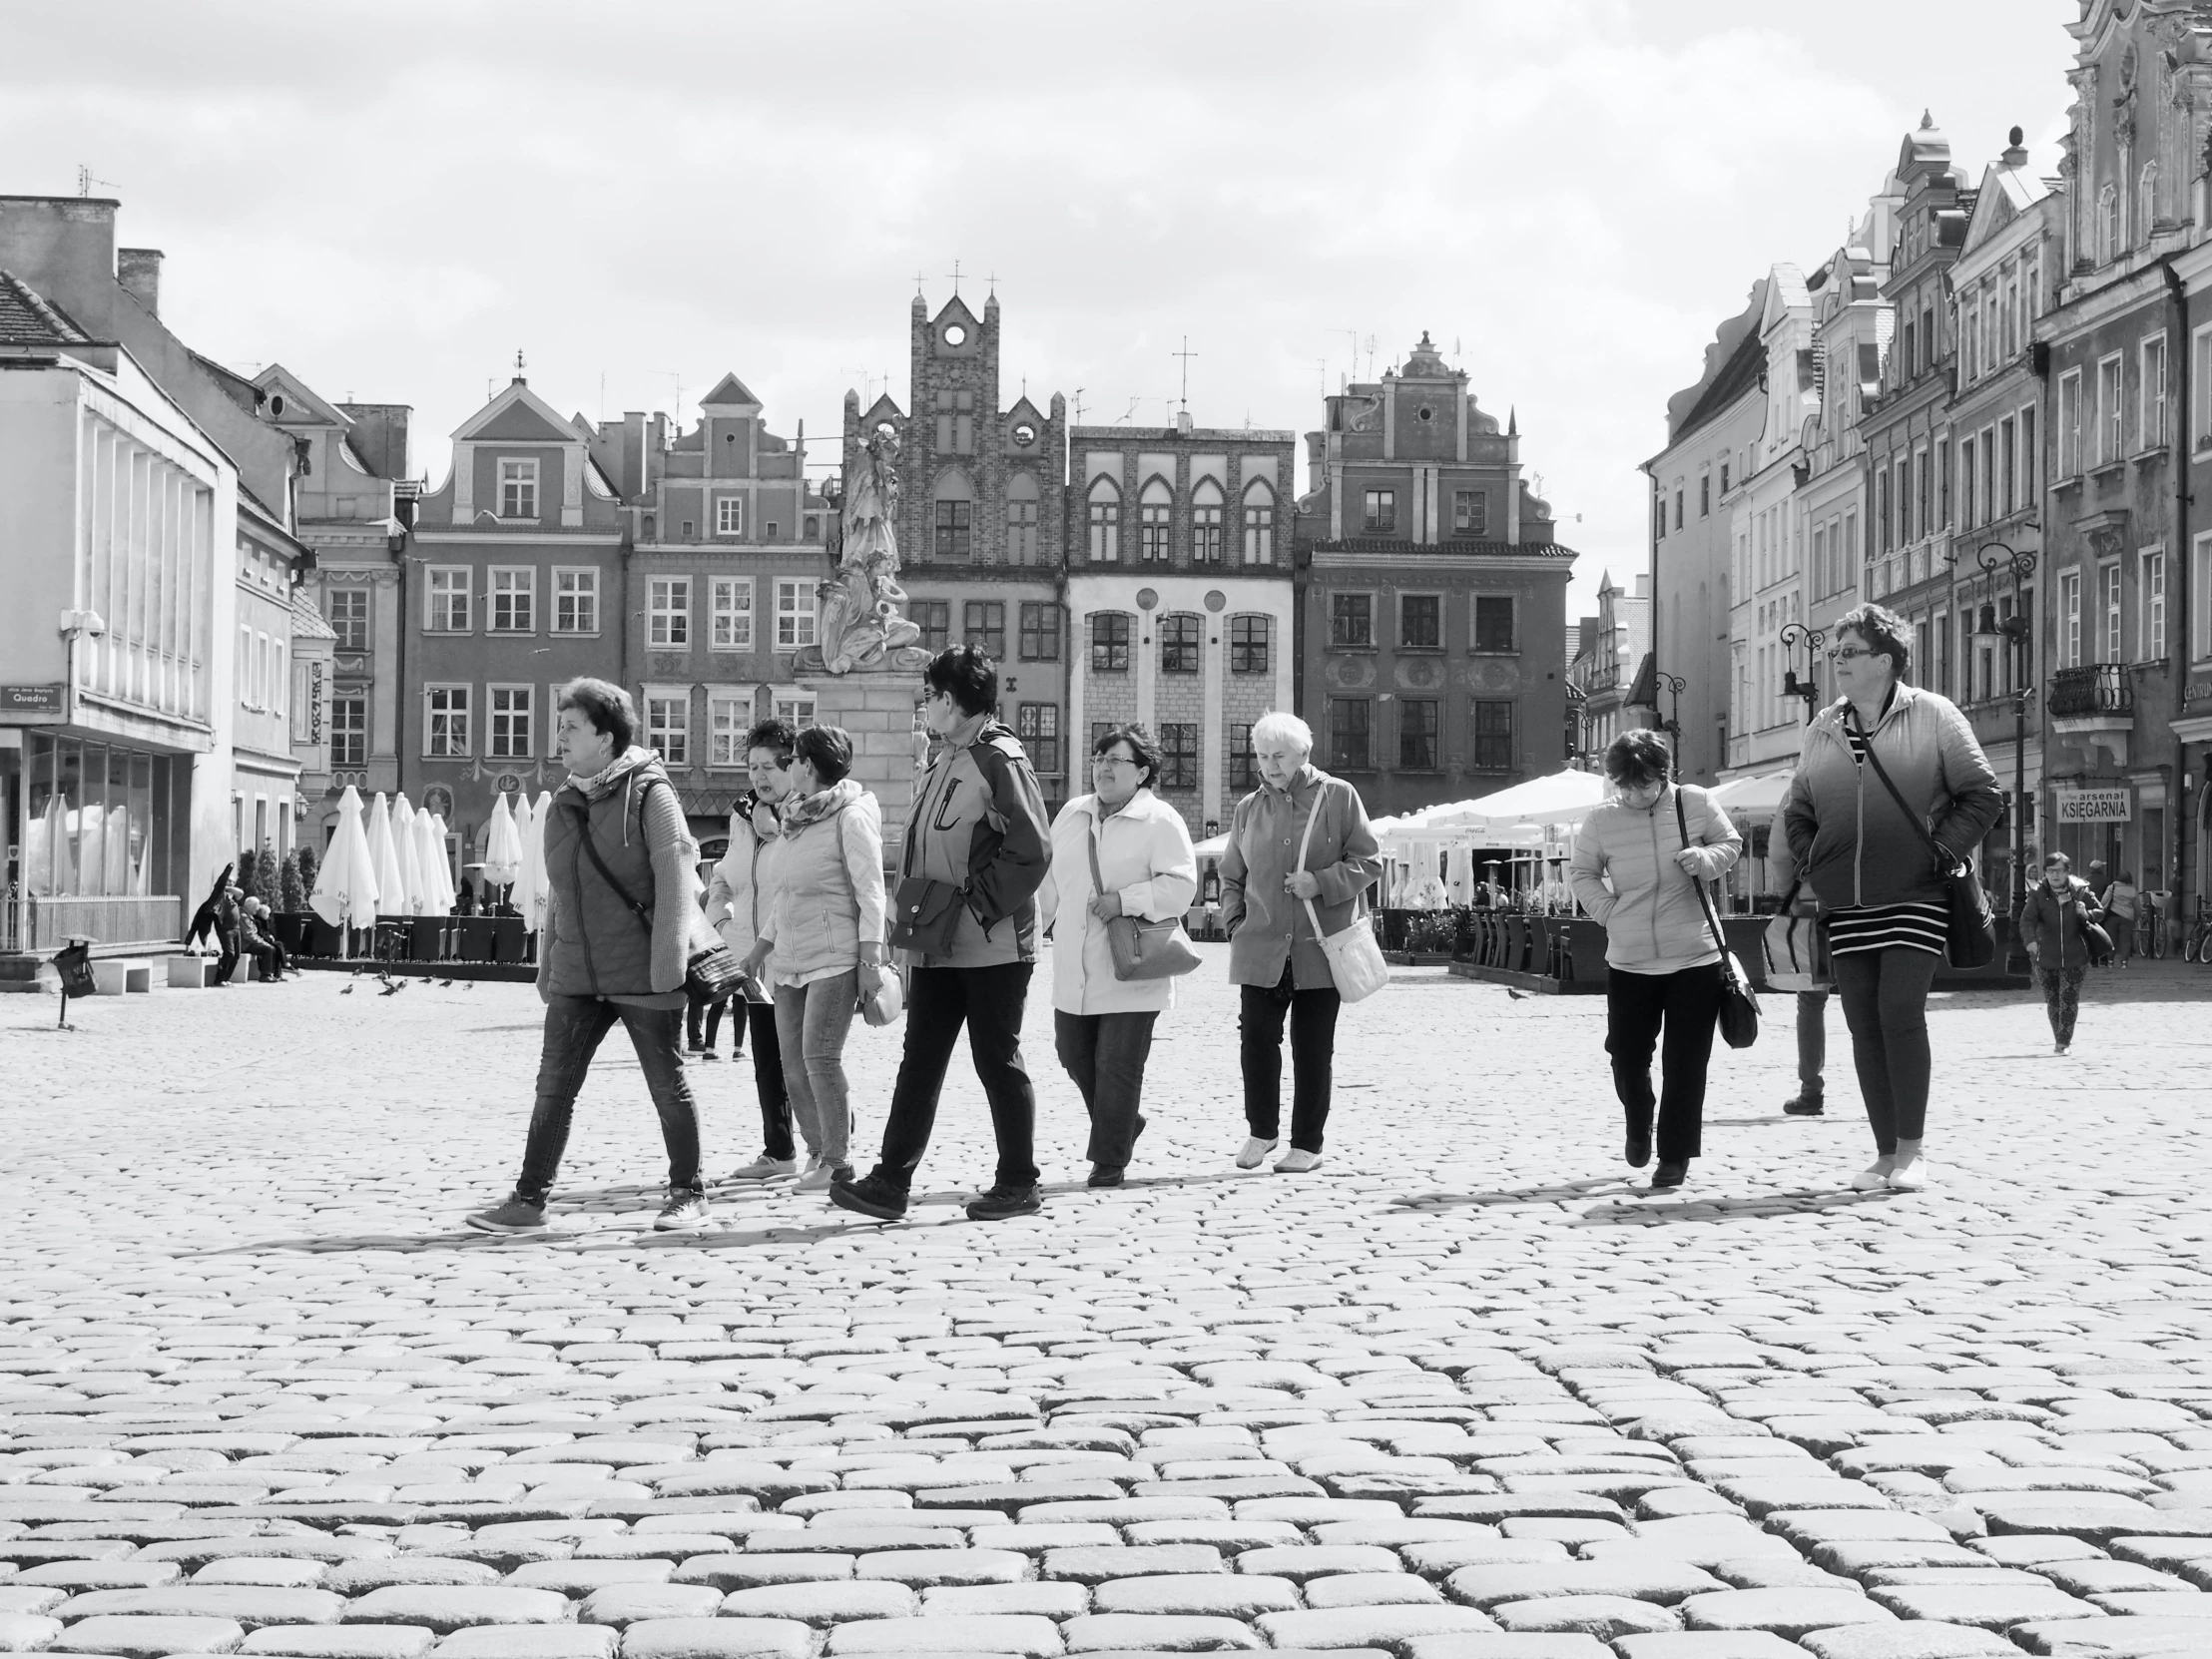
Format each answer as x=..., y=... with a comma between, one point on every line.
x=1795, y=634
x=1672, y=725
x=1999, y=559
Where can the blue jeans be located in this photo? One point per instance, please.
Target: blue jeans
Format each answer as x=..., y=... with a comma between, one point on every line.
x=811, y=1023
x=574, y=1027
x=1105, y=1054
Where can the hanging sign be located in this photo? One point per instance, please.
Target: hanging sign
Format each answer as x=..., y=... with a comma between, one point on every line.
x=31, y=700
x=2095, y=806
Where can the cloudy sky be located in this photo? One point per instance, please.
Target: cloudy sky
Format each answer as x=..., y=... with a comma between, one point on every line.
x=1569, y=195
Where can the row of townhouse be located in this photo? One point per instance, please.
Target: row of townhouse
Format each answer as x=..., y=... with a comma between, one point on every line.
x=1992, y=413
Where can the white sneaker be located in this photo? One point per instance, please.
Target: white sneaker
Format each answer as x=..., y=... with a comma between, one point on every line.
x=819, y=1177
x=2059, y=1048
x=1256, y=1150
x=1912, y=1175
x=764, y=1168
x=1875, y=1176
x=1295, y=1162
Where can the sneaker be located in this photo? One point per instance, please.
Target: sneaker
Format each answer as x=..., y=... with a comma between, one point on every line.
x=1804, y=1106
x=1637, y=1151
x=1671, y=1173
x=871, y=1195
x=764, y=1168
x=709, y=1054
x=1004, y=1203
x=1254, y=1151
x=2059, y=1048
x=517, y=1215
x=684, y=1212
x=1912, y=1175
x=821, y=1177
x=1876, y=1175
x=1295, y=1162
x=1105, y=1175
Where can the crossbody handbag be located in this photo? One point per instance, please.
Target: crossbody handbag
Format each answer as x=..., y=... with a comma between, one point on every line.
x=1739, y=1004
x=1142, y=949
x=712, y=971
x=924, y=913
x=1970, y=927
x=1355, y=963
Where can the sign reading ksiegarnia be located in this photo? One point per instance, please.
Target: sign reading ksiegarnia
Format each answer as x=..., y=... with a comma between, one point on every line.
x=2095, y=806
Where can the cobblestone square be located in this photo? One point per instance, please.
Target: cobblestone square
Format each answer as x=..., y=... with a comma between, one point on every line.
x=1466, y=1390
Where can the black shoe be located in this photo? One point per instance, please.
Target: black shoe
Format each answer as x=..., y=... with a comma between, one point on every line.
x=871, y=1195
x=1105, y=1175
x=1004, y=1203
x=709, y=1054
x=1638, y=1152
x=1798, y=1106
x=1672, y=1172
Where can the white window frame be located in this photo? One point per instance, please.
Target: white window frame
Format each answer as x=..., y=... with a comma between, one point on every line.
x=2069, y=425
x=2200, y=599
x=2151, y=418
x=524, y=477
x=668, y=613
x=585, y=589
x=2069, y=617
x=729, y=515
x=495, y=715
x=2110, y=592
x=2200, y=388
x=796, y=615
x=1444, y=620
x=342, y=705
x=525, y=589
x=553, y=719
x=658, y=731
x=2111, y=421
x=459, y=707
x=729, y=719
x=729, y=613
x=2150, y=598
x=793, y=703
x=454, y=588
x=1258, y=524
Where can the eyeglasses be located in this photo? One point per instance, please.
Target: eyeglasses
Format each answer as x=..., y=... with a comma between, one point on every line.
x=1848, y=653
x=1099, y=761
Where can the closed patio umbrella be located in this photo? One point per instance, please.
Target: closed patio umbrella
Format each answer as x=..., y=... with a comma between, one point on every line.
x=431, y=859
x=530, y=886
x=383, y=854
x=408, y=900
x=502, y=845
x=345, y=891
x=50, y=862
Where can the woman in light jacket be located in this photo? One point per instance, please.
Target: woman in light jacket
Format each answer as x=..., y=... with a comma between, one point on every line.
x=821, y=923
x=2052, y=915
x=1637, y=873
x=615, y=948
x=1883, y=892
x=1102, y=1026
x=1273, y=954
x=734, y=911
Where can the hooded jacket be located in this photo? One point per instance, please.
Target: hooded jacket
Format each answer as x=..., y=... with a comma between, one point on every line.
x=592, y=943
x=1627, y=877
x=978, y=822
x=822, y=884
x=1847, y=835
x=2050, y=922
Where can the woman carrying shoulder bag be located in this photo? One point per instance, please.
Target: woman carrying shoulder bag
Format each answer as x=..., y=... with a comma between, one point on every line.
x=822, y=923
x=1119, y=852
x=616, y=845
x=2054, y=925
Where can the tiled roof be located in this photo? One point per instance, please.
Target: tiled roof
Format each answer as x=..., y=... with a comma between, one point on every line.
x=28, y=319
x=306, y=621
x=1402, y=547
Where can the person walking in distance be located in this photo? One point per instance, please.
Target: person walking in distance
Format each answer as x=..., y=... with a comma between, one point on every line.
x=621, y=921
x=1638, y=862
x=1811, y=1100
x=1300, y=836
x=1141, y=851
x=821, y=922
x=2052, y=920
x=2120, y=902
x=975, y=855
x=1890, y=792
x=734, y=911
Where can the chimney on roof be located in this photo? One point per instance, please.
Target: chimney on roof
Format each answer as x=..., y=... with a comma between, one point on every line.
x=1183, y=422
x=139, y=270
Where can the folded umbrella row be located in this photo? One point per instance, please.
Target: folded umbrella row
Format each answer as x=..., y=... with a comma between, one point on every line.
x=396, y=862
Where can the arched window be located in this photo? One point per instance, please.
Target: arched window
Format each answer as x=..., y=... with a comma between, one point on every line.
x=2146, y=201
x=1206, y=523
x=955, y=518
x=1154, y=509
x=1258, y=524
x=1105, y=517
x=2108, y=225
x=1021, y=518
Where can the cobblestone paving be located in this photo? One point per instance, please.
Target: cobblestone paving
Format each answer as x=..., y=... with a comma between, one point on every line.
x=1464, y=1391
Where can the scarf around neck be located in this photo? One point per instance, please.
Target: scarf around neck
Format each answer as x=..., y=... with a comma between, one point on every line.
x=813, y=809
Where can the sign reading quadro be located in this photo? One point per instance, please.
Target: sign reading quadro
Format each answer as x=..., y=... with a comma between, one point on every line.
x=2095, y=807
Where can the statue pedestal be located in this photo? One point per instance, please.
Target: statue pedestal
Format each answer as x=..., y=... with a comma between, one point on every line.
x=876, y=708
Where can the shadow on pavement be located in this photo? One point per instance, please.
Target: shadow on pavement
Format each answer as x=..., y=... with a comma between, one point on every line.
x=1809, y=1201
x=1557, y=1192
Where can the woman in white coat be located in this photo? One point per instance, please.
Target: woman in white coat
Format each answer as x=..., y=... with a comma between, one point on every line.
x=1102, y=1026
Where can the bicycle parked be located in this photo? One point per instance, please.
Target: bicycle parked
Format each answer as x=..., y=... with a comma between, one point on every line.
x=2199, y=948
x=2150, y=928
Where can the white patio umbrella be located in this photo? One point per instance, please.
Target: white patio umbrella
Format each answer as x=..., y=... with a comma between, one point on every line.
x=502, y=845
x=530, y=886
x=383, y=854
x=431, y=859
x=345, y=891
x=92, y=849
x=407, y=902
x=50, y=862
x=1565, y=797
x=1758, y=795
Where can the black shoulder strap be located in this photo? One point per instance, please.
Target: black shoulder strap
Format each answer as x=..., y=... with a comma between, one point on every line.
x=591, y=849
x=1911, y=816
x=1681, y=818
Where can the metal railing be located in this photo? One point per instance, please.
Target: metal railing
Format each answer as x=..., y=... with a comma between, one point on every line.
x=2092, y=688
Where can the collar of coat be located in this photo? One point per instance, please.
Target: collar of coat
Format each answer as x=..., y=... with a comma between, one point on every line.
x=1306, y=777
x=1830, y=718
x=813, y=809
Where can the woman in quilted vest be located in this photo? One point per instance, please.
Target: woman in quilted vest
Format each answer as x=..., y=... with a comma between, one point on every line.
x=1638, y=860
x=822, y=926
x=621, y=921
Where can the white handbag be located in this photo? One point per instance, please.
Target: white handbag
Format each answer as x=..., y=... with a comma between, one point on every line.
x=1354, y=955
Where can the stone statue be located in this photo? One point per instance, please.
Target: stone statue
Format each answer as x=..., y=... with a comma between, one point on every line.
x=862, y=625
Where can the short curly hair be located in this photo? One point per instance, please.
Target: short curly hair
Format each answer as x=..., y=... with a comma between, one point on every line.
x=1142, y=748
x=969, y=676
x=1887, y=635
x=606, y=706
x=1636, y=760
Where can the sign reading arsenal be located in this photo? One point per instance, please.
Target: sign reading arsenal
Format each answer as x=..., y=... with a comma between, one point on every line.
x=2095, y=806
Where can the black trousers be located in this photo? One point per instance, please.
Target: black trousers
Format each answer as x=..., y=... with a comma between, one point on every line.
x=1687, y=1005
x=1105, y=1055
x=229, y=958
x=269, y=957
x=574, y=1026
x=1313, y=1021
x=768, y=1081
x=713, y=1008
x=989, y=1002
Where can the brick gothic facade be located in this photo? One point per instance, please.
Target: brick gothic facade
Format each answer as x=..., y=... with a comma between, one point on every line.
x=981, y=518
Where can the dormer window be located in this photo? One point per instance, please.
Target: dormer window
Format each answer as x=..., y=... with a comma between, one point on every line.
x=518, y=487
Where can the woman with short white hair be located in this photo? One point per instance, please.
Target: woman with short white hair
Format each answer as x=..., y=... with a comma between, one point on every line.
x=1301, y=837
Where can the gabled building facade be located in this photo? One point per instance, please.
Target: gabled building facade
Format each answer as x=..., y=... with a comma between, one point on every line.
x=1433, y=594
